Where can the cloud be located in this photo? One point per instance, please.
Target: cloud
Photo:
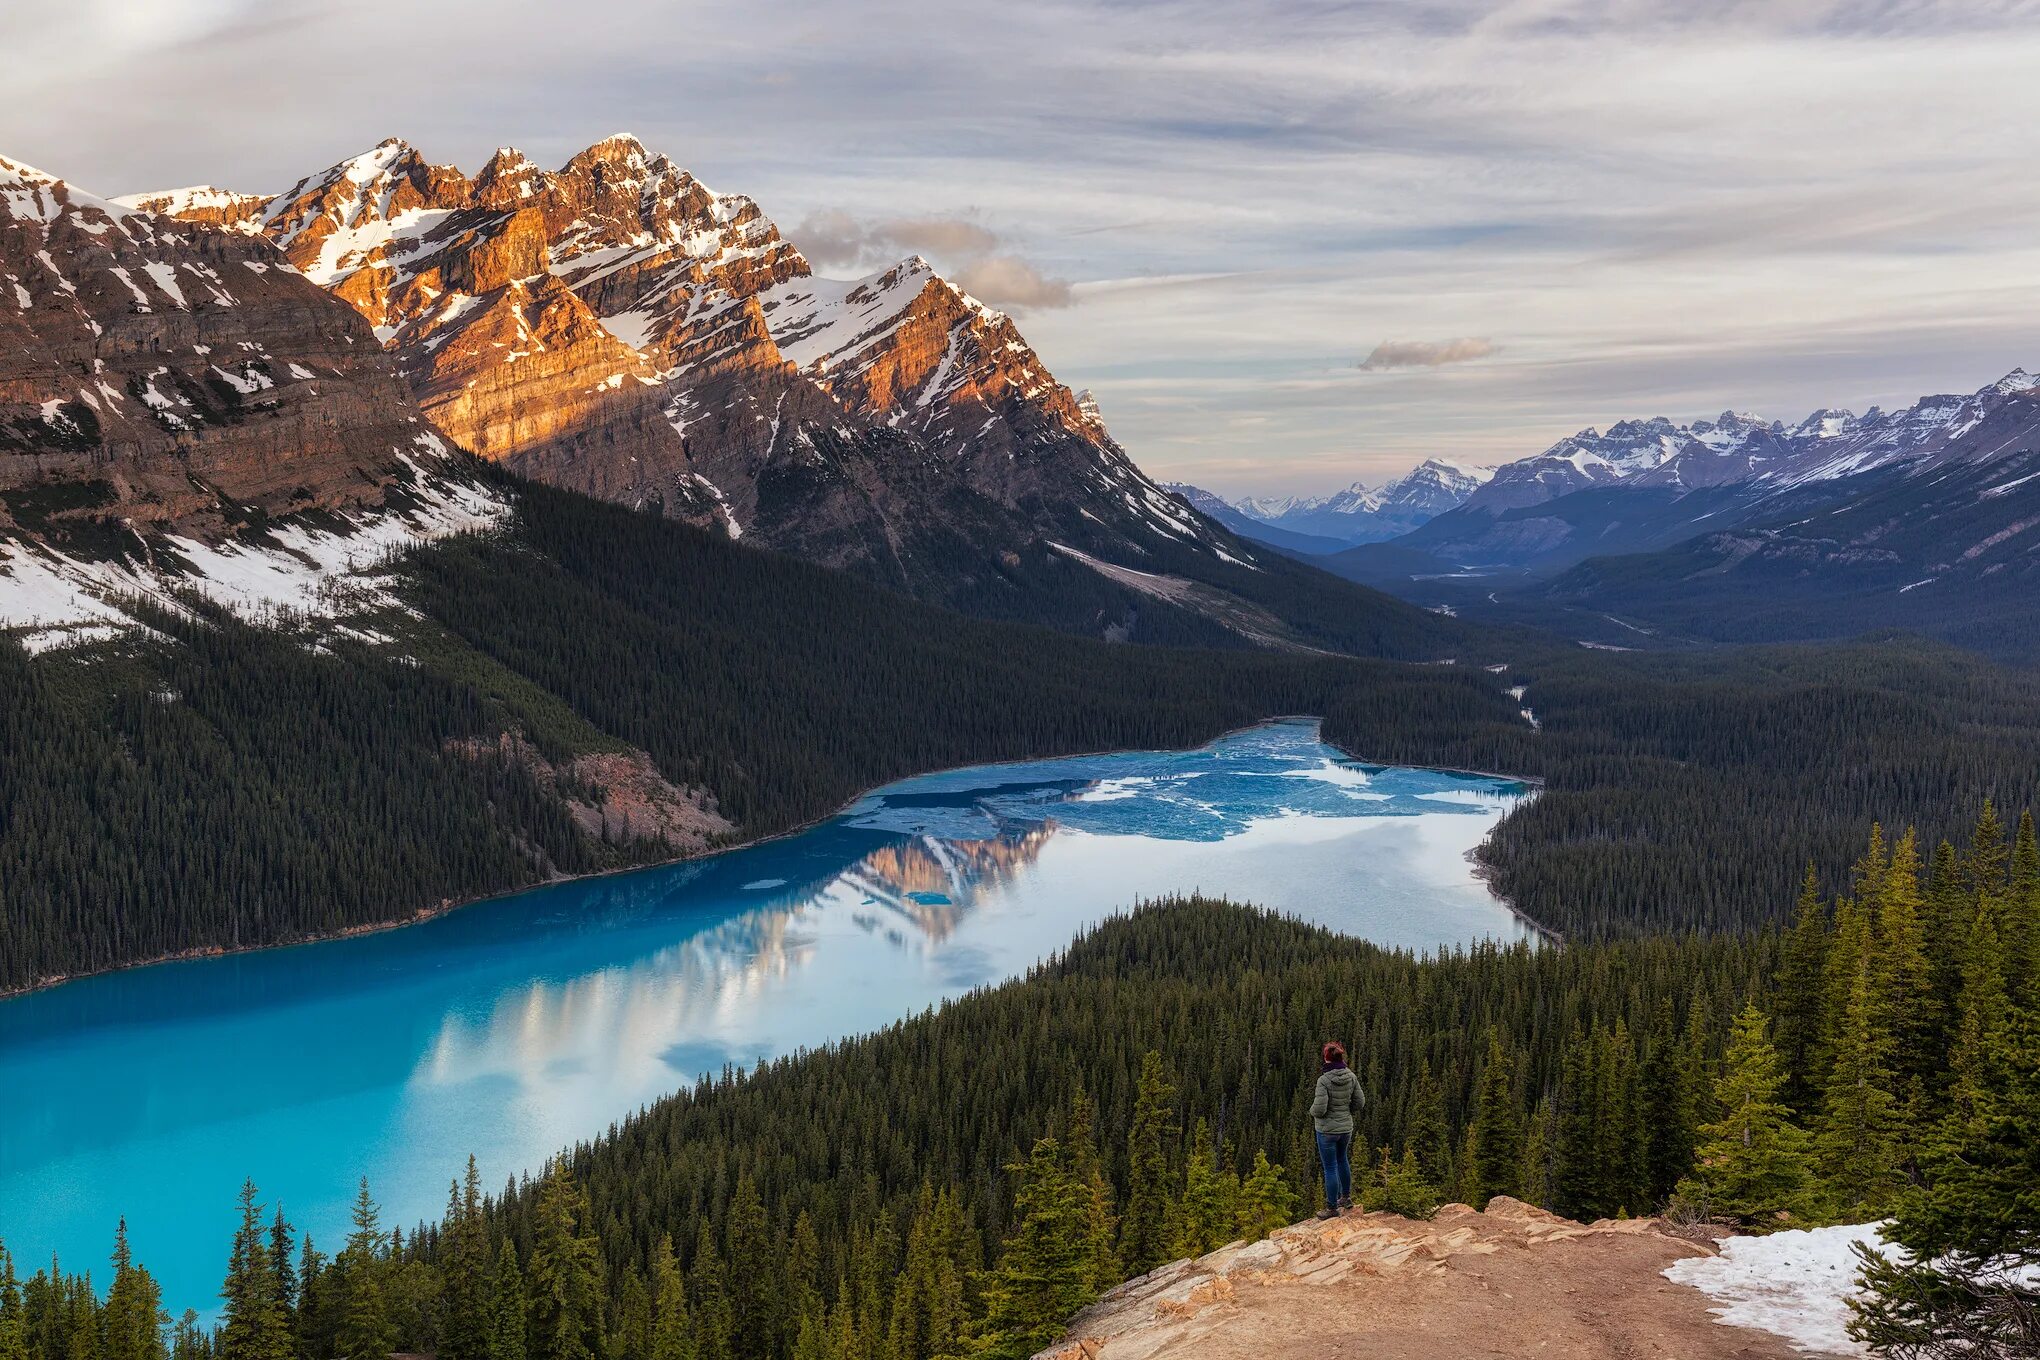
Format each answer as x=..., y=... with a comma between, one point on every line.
x=969, y=250
x=1009, y=281
x=1427, y=353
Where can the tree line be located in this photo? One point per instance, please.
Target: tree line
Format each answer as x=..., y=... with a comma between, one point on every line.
x=960, y=1182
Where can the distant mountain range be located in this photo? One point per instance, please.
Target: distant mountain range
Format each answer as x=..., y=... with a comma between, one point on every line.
x=1357, y=514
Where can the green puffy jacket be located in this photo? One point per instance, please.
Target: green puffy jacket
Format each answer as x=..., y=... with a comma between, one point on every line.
x=1338, y=1099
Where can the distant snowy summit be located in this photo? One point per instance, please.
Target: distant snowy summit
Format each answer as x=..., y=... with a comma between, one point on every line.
x=1363, y=514
x=1733, y=448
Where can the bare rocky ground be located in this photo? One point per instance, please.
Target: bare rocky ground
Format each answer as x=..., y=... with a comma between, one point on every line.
x=1512, y=1281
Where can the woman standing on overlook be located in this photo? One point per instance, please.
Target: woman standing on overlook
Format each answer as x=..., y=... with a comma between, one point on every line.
x=1338, y=1099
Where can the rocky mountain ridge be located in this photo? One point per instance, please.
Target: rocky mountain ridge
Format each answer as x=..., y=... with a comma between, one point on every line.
x=180, y=410
x=617, y=327
x=1363, y=514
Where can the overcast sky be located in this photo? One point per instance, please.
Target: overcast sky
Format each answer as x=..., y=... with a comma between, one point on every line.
x=1288, y=244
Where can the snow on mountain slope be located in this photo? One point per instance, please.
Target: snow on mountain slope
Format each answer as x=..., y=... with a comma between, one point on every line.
x=180, y=410
x=619, y=328
x=1360, y=514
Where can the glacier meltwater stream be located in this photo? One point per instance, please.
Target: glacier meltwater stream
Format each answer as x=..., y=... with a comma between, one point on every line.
x=516, y=1026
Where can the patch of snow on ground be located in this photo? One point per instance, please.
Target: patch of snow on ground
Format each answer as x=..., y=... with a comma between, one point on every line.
x=1792, y=1284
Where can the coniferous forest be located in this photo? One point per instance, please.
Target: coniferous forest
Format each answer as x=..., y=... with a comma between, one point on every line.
x=961, y=1182
x=226, y=786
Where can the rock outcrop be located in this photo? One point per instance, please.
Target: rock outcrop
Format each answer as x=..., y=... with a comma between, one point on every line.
x=616, y=327
x=1511, y=1281
x=154, y=372
x=181, y=410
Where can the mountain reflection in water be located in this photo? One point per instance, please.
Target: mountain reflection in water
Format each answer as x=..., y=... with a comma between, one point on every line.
x=514, y=1027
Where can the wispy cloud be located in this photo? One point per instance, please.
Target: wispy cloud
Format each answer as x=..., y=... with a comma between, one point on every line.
x=1426, y=353
x=1656, y=206
x=834, y=239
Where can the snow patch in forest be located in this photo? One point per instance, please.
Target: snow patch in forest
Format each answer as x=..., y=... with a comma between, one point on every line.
x=1792, y=1284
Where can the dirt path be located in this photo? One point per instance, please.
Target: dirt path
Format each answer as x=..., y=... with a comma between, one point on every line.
x=1511, y=1282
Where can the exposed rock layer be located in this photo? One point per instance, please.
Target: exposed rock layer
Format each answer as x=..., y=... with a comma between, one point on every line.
x=1512, y=1281
x=616, y=327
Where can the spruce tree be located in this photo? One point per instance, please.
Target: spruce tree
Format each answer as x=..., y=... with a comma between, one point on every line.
x=672, y=1328
x=1667, y=1109
x=1752, y=1164
x=1206, y=1209
x=252, y=1326
x=1150, y=1143
x=1101, y=1222
x=755, y=1288
x=13, y=1323
x=708, y=1289
x=361, y=1274
x=1497, y=1125
x=1266, y=1201
x=1971, y=1285
x=564, y=1277
x=1799, y=985
x=508, y=1327
x=464, y=1259
x=1858, y=1144
x=1042, y=1276
x=1428, y=1137
x=132, y=1320
x=1904, y=1008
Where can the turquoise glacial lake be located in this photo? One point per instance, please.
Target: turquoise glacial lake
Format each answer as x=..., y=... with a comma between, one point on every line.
x=514, y=1027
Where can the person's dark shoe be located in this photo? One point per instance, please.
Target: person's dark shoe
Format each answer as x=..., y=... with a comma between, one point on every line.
x=1328, y=1212
x=1345, y=1204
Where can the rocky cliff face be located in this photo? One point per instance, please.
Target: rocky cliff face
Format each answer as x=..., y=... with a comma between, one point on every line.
x=1510, y=1281
x=616, y=327
x=182, y=374
x=180, y=408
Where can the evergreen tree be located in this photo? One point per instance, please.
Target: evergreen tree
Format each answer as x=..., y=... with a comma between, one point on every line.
x=755, y=1287
x=131, y=1322
x=252, y=1326
x=1540, y=1138
x=13, y=1324
x=1266, y=1201
x=1752, y=1164
x=1043, y=1272
x=1101, y=1223
x=1428, y=1136
x=672, y=1327
x=508, y=1329
x=1150, y=1142
x=707, y=1288
x=1972, y=1227
x=1904, y=1009
x=564, y=1278
x=1667, y=1109
x=361, y=1276
x=1497, y=1125
x=1206, y=1210
x=1800, y=982
x=1858, y=1144
x=464, y=1259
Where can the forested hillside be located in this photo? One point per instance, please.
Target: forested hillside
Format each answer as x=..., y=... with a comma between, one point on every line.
x=214, y=785
x=219, y=785
x=1688, y=791
x=958, y=1184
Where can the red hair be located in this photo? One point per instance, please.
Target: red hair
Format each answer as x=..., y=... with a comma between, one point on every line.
x=1333, y=1051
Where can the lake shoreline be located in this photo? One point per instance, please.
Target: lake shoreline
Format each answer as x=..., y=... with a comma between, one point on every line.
x=431, y=913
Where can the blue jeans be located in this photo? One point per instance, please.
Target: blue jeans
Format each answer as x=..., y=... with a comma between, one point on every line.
x=1335, y=1151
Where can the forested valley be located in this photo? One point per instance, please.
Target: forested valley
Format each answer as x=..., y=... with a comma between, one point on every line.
x=221, y=785
x=959, y=1183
